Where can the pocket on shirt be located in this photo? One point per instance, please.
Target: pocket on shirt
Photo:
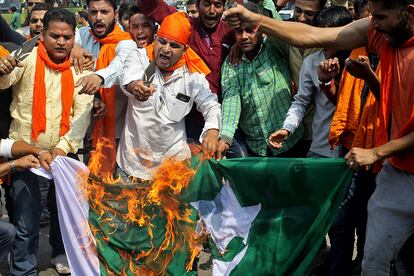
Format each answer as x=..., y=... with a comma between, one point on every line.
x=175, y=109
x=264, y=74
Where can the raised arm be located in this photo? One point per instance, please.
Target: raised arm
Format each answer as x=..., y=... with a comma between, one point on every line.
x=156, y=10
x=351, y=36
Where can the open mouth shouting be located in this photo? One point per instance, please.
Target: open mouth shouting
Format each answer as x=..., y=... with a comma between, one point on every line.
x=99, y=28
x=211, y=20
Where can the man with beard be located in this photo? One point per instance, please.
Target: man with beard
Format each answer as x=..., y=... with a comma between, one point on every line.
x=390, y=33
x=35, y=26
x=47, y=112
x=25, y=30
x=210, y=39
x=109, y=45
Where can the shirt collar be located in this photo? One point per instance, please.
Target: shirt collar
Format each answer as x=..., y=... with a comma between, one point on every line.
x=178, y=73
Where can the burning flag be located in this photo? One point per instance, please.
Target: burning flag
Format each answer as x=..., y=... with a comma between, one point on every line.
x=262, y=215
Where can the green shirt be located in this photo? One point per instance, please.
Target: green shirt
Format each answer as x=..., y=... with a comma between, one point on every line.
x=256, y=96
x=15, y=20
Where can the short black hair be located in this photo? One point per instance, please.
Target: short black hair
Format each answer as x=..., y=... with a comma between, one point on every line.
x=83, y=14
x=113, y=3
x=134, y=9
x=358, y=4
x=334, y=16
x=190, y=2
x=322, y=4
x=40, y=6
x=394, y=4
x=13, y=8
x=124, y=10
x=59, y=15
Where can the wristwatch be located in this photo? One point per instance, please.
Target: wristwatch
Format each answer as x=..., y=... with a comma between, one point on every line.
x=12, y=166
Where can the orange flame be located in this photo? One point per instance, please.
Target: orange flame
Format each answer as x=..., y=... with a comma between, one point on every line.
x=161, y=194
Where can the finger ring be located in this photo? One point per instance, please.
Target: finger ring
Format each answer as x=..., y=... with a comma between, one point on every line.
x=351, y=163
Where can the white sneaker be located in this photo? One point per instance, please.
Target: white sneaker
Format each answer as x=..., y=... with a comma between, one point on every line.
x=61, y=264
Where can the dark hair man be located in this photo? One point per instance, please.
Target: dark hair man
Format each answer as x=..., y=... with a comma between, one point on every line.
x=49, y=113
x=123, y=16
x=255, y=106
x=36, y=19
x=110, y=46
x=390, y=33
x=141, y=28
x=191, y=8
x=29, y=4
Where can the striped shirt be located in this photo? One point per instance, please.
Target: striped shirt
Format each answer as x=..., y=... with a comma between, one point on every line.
x=257, y=96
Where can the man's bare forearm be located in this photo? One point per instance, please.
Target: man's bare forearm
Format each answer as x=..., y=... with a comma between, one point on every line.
x=21, y=148
x=351, y=36
x=394, y=147
x=374, y=85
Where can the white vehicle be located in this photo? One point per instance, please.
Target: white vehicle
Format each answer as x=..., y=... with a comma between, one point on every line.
x=287, y=12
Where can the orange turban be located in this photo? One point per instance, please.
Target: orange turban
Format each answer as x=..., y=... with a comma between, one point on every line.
x=176, y=27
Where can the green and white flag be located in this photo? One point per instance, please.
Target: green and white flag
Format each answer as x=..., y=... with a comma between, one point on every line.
x=264, y=216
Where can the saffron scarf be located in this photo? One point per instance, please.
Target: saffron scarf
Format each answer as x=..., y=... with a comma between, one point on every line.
x=105, y=128
x=388, y=59
x=369, y=122
x=39, y=93
x=345, y=121
x=176, y=27
x=3, y=51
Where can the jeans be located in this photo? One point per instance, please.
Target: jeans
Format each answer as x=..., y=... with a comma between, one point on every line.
x=390, y=221
x=7, y=233
x=27, y=204
x=238, y=148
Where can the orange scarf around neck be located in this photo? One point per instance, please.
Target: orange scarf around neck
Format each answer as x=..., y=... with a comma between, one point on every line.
x=39, y=93
x=105, y=128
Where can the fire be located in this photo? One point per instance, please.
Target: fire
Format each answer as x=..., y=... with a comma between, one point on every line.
x=123, y=206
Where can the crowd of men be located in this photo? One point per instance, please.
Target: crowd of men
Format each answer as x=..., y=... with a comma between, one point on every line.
x=146, y=80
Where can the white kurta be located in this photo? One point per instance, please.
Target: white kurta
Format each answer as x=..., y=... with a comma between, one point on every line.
x=155, y=129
